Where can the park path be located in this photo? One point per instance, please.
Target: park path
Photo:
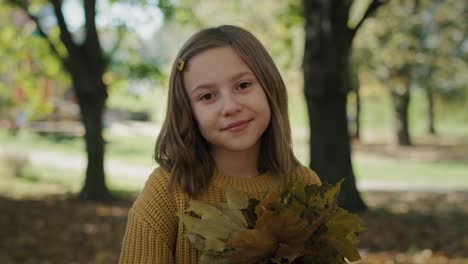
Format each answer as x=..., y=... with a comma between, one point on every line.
x=137, y=172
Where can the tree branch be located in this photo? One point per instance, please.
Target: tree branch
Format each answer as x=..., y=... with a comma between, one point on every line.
x=90, y=16
x=121, y=31
x=65, y=35
x=91, y=44
x=41, y=31
x=374, y=5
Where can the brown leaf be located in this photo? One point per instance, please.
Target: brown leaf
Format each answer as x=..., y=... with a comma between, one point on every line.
x=285, y=225
x=273, y=197
x=252, y=245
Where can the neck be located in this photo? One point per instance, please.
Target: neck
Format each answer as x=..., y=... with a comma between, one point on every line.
x=237, y=163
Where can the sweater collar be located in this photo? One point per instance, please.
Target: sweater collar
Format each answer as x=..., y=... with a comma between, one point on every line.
x=260, y=183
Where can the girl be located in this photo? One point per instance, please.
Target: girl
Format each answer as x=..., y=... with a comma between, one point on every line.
x=226, y=126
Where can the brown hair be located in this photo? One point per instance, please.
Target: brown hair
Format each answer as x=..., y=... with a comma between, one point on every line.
x=180, y=147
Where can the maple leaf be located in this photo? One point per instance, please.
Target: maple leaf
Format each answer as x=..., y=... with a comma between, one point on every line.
x=212, y=225
x=252, y=245
x=272, y=199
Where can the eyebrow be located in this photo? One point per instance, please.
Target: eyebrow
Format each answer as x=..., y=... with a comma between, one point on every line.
x=234, y=77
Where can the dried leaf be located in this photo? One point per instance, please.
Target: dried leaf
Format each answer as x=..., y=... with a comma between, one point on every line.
x=212, y=257
x=214, y=230
x=197, y=241
x=214, y=226
x=235, y=216
x=298, y=191
x=251, y=245
x=237, y=199
x=285, y=225
x=341, y=229
x=273, y=197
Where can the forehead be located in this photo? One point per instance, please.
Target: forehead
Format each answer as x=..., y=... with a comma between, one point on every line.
x=213, y=66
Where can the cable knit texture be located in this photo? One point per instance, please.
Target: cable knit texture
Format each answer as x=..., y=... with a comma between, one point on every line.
x=154, y=234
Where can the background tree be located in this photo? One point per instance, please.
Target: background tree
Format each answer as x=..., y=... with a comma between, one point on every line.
x=426, y=51
x=328, y=42
x=81, y=55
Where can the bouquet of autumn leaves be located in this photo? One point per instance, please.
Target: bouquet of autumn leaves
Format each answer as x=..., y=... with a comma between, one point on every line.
x=300, y=225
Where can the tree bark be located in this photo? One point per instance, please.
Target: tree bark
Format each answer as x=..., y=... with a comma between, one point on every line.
x=430, y=110
x=357, y=131
x=94, y=187
x=401, y=100
x=326, y=84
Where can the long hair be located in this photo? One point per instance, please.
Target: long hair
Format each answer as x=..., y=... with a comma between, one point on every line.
x=180, y=147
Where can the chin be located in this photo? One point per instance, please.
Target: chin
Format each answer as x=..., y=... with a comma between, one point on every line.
x=239, y=147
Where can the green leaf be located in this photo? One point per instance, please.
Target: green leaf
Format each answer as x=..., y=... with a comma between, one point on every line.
x=212, y=224
x=346, y=248
x=235, y=216
x=197, y=241
x=298, y=191
x=204, y=210
x=237, y=199
x=214, y=230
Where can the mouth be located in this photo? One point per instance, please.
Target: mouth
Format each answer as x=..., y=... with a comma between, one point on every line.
x=237, y=126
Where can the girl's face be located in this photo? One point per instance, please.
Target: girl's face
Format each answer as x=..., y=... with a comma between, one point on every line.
x=228, y=102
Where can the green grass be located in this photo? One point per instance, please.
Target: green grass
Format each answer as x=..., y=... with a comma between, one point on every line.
x=138, y=150
x=447, y=173
x=39, y=181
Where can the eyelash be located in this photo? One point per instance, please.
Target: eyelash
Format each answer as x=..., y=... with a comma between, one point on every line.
x=249, y=83
x=203, y=96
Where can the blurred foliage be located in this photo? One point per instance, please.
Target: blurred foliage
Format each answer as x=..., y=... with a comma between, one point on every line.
x=28, y=72
x=278, y=25
x=29, y=61
x=423, y=42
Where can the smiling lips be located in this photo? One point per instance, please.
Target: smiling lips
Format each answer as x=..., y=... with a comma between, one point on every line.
x=237, y=126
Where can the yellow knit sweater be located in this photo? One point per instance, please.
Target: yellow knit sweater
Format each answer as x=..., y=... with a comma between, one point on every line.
x=154, y=234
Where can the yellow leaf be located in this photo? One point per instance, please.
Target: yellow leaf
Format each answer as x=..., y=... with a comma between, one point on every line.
x=237, y=199
x=204, y=210
x=235, y=216
x=215, y=230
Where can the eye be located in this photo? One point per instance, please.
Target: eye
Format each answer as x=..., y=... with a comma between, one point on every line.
x=206, y=96
x=244, y=85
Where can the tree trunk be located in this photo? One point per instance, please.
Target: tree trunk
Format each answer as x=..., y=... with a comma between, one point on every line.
x=401, y=101
x=92, y=110
x=357, y=131
x=86, y=64
x=326, y=83
x=430, y=110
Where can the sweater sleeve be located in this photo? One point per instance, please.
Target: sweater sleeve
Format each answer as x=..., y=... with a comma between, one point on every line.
x=152, y=224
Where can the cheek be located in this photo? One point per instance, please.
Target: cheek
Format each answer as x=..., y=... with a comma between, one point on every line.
x=203, y=119
x=266, y=107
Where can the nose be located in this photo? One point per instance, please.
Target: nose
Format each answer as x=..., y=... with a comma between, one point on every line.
x=231, y=105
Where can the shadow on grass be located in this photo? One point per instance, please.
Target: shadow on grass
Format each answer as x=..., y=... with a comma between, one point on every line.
x=61, y=229
x=411, y=222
